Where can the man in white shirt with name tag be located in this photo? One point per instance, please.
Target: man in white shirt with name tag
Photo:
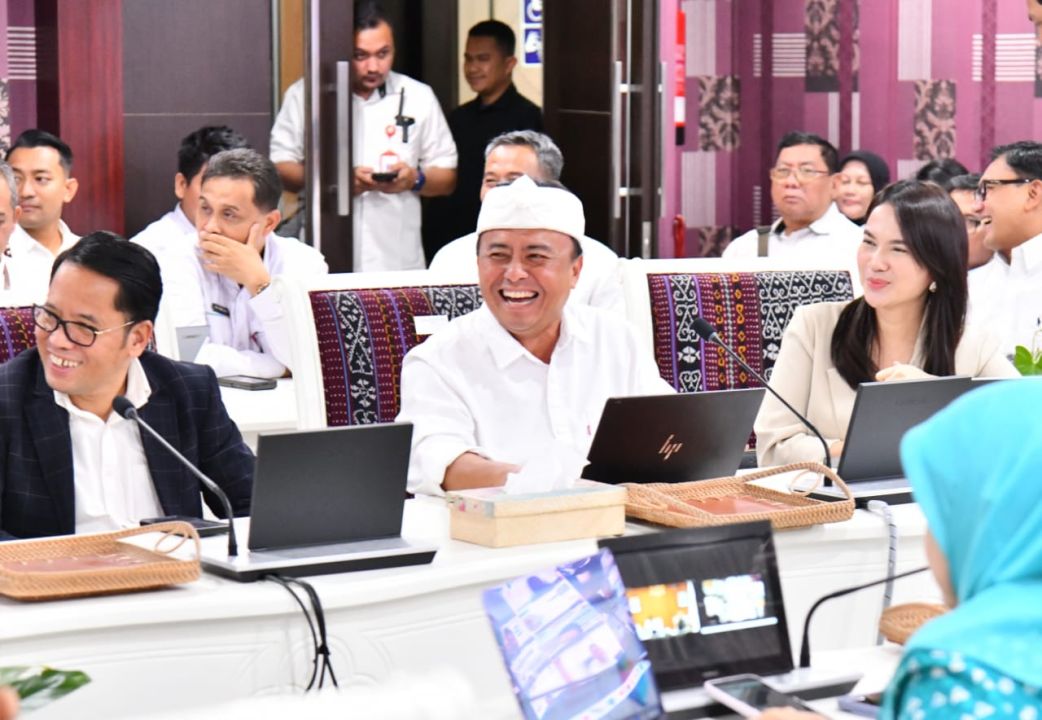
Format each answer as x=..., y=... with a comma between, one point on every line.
x=811, y=227
x=494, y=389
x=224, y=281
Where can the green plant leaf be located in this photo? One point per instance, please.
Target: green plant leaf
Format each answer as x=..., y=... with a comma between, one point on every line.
x=1025, y=362
x=38, y=686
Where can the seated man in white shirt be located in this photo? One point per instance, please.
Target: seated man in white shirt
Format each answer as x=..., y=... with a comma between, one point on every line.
x=223, y=282
x=811, y=227
x=531, y=153
x=524, y=373
x=1009, y=197
x=42, y=165
x=987, y=269
x=196, y=150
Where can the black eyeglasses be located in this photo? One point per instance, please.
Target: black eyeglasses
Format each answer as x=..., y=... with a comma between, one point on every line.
x=985, y=185
x=79, y=333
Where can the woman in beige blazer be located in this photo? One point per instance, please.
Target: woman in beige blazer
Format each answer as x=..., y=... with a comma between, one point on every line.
x=908, y=324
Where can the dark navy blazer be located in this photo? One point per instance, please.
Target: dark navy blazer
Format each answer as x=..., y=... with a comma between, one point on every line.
x=36, y=471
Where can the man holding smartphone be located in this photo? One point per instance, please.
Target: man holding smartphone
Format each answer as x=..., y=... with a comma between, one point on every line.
x=68, y=462
x=402, y=146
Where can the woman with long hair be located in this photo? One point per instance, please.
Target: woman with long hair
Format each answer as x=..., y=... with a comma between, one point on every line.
x=910, y=323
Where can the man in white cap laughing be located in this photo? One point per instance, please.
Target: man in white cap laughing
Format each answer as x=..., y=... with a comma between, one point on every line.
x=494, y=389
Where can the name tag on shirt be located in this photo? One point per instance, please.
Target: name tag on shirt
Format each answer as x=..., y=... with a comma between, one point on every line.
x=427, y=324
x=220, y=310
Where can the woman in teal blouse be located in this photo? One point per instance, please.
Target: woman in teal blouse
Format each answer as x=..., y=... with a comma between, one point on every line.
x=976, y=471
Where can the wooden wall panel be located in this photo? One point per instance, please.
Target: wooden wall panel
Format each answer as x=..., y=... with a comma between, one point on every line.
x=80, y=98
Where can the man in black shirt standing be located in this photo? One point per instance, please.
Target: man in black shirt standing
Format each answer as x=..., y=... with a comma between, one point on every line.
x=488, y=65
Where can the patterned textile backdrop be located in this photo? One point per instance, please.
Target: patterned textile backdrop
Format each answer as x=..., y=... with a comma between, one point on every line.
x=17, y=69
x=911, y=80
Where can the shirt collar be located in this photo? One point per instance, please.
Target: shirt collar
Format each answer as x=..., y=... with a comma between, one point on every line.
x=827, y=224
x=505, y=347
x=507, y=96
x=138, y=390
x=1030, y=253
x=22, y=242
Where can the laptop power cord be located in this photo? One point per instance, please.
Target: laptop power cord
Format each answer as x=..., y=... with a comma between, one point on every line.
x=316, y=620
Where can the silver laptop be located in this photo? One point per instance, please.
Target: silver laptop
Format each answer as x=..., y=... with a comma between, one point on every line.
x=190, y=339
x=325, y=501
x=883, y=413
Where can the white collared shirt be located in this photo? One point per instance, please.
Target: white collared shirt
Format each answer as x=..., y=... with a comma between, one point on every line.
x=247, y=335
x=387, y=225
x=168, y=230
x=472, y=387
x=113, y=485
x=1016, y=309
x=30, y=266
x=287, y=134
x=985, y=284
x=599, y=284
x=830, y=241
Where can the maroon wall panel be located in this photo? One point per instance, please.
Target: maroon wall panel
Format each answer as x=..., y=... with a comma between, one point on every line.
x=80, y=98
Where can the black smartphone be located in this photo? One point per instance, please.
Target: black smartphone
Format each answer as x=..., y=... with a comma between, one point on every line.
x=205, y=528
x=385, y=176
x=247, y=382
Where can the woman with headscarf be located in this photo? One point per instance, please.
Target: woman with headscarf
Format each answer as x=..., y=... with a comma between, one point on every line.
x=974, y=470
x=861, y=175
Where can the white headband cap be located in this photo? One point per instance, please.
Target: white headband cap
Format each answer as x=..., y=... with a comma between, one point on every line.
x=523, y=205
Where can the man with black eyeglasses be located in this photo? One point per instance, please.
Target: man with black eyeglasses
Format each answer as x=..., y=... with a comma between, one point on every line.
x=986, y=267
x=68, y=463
x=1009, y=198
x=810, y=227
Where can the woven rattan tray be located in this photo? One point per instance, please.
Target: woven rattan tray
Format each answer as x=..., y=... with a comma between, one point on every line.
x=680, y=504
x=96, y=564
x=900, y=622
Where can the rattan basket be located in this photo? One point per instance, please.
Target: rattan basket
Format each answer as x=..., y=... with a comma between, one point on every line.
x=898, y=623
x=671, y=503
x=96, y=564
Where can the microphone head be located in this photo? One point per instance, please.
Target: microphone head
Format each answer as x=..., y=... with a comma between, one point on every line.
x=124, y=407
x=705, y=331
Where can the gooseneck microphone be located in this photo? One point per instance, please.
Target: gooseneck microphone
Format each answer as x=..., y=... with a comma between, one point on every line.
x=805, y=642
x=126, y=409
x=709, y=334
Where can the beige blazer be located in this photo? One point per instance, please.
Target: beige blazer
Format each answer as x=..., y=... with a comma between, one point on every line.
x=805, y=376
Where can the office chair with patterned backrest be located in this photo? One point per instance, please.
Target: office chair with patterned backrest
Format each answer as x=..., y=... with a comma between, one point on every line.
x=351, y=334
x=749, y=302
x=17, y=332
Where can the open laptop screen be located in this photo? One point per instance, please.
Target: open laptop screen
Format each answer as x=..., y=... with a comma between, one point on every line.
x=706, y=602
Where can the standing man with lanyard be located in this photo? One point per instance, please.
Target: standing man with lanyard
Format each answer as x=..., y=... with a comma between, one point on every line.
x=402, y=149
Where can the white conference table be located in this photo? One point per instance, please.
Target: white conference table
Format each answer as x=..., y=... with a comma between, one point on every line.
x=257, y=411
x=216, y=640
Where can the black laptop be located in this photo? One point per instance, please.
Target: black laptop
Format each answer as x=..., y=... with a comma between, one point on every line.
x=672, y=438
x=325, y=501
x=883, y=413
x=707, y=603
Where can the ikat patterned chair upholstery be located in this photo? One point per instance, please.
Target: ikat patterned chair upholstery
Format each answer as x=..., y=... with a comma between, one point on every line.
x=16, y=331
x=750, y=305
x=362, y=335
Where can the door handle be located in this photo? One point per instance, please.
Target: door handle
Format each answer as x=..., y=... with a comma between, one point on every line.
x=617, y=91
x=343, y=140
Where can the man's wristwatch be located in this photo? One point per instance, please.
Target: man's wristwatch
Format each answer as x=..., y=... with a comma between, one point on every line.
x=421, y=180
